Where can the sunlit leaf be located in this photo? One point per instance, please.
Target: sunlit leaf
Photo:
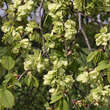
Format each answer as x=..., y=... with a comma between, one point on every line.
x=55, y=98
x=103, y=65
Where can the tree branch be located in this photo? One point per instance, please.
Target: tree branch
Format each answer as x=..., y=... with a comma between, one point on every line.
x=83, y=32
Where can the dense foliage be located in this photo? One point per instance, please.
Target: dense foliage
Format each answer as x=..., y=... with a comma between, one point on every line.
x=55, y=55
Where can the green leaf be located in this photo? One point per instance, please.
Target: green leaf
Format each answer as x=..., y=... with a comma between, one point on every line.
x=7, y=62
x=17, y=83
x=3, y=51
x=65, y=105
x=35, y=82
x=1, y=107
x=103, y=30
x=108, y=77
x=55, y=98
x=28, y=79
x=79, y=5
x=59, y=105
x=6, y=98
x=8, y=78
x=91, y=56
x=102, y=65
x=11, y=79
x=2, y=72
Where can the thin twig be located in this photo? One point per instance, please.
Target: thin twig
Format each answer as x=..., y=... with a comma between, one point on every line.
x=79, y=19
x=83, y=32
x=66, y=47
x=23, y=74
